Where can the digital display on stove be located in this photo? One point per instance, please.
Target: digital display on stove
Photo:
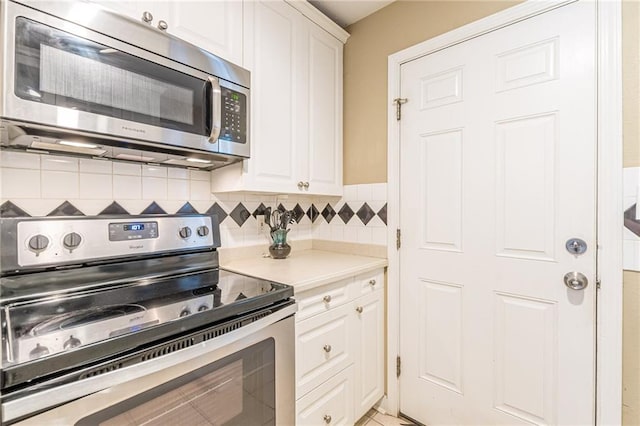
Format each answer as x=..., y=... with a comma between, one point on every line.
x=129, y=231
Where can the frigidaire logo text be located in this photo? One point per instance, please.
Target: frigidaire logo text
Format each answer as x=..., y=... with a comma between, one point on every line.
x=134, y=130
x=138, y=246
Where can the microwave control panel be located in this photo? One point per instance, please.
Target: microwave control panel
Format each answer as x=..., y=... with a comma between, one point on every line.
x=234, y=116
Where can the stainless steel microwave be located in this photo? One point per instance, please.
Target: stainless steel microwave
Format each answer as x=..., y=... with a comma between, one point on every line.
x=83, y=80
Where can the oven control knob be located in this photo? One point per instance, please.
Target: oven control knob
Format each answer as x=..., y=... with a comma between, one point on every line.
x=71, y=241
x=71, y=343
x=203, y=231
x=38, y=243
x=185, y=312
x=39, y=352
x=202, y=308
x=185, y=232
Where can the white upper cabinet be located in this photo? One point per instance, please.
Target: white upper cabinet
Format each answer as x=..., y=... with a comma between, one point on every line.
x=215, y=26
x=296, y=110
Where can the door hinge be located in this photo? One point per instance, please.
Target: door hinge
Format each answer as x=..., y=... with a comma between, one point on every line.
x=398, y=103
x=398, y=367
x=398, y=240
x=597, y=284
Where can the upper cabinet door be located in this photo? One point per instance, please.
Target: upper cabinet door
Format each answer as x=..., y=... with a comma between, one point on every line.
x=215, y=26
x=272, y=35
x=324, y=154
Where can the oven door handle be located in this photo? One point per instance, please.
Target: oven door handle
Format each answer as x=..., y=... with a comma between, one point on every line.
x=36, y=401
x=216, y=108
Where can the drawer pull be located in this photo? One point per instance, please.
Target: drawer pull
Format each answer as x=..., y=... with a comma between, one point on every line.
x=327, y=299
x=372, y=282
x=327, y=348
x=327, y=418
x=359, y=309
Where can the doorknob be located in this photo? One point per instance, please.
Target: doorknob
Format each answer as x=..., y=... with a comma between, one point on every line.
x=576, y=281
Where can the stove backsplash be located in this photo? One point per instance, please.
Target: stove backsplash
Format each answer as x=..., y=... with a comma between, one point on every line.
x=46, y=185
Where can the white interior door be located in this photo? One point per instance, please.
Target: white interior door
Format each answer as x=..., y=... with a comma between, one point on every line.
x=498, y=171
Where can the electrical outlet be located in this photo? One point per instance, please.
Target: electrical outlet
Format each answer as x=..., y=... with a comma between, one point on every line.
x=261, y=224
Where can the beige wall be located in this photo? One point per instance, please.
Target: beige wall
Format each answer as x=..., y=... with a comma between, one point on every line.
x=373, y=39
x=405, y=23
x=631, y=132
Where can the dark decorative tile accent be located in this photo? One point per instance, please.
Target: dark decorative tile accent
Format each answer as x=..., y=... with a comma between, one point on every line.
x=153, y=208
x=240, y=214
x=345, y=213
x=215, y=209
x=313, y=213
x=328, y=213
x=630, y=221
x=365, y=213
x=114, y=209
x=187, y=208
x=281, y=208
x=298, y=213
x=66, y=209
x=260, y=211
x=382, y=213
x=8, y=209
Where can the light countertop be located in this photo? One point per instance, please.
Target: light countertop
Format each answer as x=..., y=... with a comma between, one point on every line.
x=305, y=269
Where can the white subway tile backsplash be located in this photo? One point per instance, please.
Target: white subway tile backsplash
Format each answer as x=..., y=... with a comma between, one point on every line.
x=154, y=171
x=134, y=206
x=378, y=192
x=89, y=207
x=177, y=173
x=128, y=169
x=365, y=193
x=379, y=236
x=631, y=255
x=154, y=188
x=199, y=175
x=127, y=187
x=350, y=193
x=96, y=187
x=39, y=206
x=351, y=234
x=20, y=183
x=631, y=181
x=200, y=190
x=96, y=166
x=19, y=160
x=177, y=189
x=364, y=235
x=53, y=162
x=59, y=184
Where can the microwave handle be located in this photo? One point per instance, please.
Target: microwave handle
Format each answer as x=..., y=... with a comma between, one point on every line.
x=216, y=108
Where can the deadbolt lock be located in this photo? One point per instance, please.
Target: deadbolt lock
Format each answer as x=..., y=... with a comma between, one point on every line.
x=576, y=246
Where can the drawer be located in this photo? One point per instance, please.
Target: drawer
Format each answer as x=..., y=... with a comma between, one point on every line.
x=329, y=404
x=368, y=282
x=323, y=298
x=323, y=347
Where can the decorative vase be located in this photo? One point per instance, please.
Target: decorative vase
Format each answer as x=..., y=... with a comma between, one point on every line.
x=279, y=249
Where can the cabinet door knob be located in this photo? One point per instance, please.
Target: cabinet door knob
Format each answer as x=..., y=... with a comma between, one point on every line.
x=300, y=185
x=327, y=298
x=306, y=185
x=147, y=17
x=327, y=348
x=372, y=282
x=327, y=419
x=162, y=25
x=359, y=309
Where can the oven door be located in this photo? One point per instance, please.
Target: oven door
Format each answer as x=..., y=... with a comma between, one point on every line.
x=245, y=377
x=65, y=77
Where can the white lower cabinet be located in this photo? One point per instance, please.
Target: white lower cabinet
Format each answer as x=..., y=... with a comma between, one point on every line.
x=340, y=350
x=330, y=403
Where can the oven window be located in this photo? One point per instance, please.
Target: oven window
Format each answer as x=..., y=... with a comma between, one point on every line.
x=57, y=68
x=236, y=390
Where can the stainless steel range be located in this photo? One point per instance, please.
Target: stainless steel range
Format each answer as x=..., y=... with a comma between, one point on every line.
x=115, y=319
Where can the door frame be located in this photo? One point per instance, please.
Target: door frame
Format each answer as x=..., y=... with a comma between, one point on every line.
x=609, y=203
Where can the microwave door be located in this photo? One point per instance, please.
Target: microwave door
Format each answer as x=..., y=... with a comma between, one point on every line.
x=80, y=80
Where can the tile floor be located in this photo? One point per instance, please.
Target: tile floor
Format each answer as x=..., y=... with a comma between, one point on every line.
x=374, y=418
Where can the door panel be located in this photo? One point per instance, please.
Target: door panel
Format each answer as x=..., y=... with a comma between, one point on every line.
x=497, y=173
